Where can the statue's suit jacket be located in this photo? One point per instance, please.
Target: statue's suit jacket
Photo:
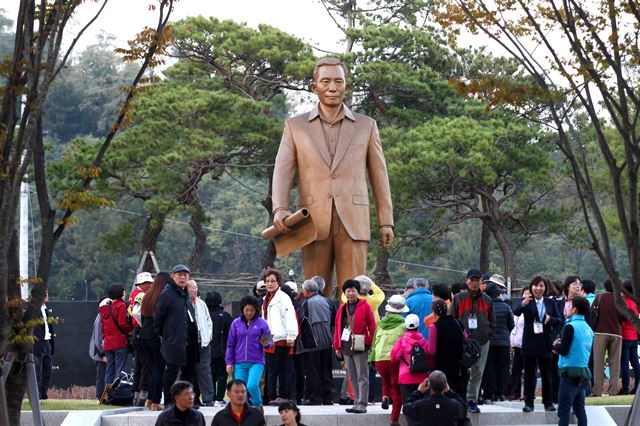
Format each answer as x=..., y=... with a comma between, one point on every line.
x=343, y=181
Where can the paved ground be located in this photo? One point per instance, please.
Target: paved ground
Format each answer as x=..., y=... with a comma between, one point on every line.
x=500, y=414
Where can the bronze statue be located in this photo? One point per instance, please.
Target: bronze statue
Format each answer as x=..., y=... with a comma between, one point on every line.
x=333, y=149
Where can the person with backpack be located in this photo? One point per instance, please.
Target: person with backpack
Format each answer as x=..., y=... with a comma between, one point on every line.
x=116, y=324
x=410, y=351
x=389, y=330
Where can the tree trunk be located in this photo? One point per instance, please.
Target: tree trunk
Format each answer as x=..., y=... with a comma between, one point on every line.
x=16, y=381
x=200, y=244
x=485, y=248
x=505, y=248
x=269, y=256
x=152, y=230
x=381, y=274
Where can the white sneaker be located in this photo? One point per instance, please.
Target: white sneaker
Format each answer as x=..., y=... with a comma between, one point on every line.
x=220, y=404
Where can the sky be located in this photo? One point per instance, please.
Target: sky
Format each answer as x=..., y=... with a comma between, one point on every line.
x=306, y=19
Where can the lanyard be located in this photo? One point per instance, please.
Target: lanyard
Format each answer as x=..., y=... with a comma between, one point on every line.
x=349, y=320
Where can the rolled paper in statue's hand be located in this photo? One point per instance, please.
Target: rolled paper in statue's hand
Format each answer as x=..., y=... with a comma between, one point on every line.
x=290, y=222
x=303, y=231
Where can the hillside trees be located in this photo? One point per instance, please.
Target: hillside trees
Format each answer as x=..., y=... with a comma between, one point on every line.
x=37, y=60
x=580, y=60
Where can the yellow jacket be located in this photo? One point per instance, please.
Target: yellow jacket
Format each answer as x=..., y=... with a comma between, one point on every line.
x=374, y=300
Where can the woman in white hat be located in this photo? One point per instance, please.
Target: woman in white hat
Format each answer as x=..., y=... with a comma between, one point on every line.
x=389, y=330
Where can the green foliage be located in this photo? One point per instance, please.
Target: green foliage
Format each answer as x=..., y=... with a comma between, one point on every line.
x=85, y=97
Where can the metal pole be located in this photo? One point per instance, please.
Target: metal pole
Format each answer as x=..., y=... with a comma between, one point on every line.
x=32, y=387
x=24, y=239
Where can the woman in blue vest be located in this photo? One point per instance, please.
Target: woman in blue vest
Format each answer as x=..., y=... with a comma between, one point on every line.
x=574, y=348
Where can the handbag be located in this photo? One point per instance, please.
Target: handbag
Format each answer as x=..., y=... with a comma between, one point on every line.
x=358, y=343
x=471, y=349
x=130, y=347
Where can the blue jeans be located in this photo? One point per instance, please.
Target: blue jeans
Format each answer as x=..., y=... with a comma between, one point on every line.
x=629, y=354
x=250, y=373
x=116, y=362
x=571, y=394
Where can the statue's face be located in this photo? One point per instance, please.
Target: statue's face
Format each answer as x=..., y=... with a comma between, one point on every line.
x=330, y=86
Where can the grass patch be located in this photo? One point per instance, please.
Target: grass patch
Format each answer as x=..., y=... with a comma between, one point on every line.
x=68, y=404
x=610, y=400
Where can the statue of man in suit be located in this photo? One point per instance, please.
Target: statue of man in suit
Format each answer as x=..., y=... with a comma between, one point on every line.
x=333, y=149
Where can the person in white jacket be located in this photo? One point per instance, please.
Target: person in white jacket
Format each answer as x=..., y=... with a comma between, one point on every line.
x=205, y=326
x=516, y=346
x=278, y=311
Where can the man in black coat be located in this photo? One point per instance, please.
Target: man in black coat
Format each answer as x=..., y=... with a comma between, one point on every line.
x=182, y=413
x=435, y=404
x=174, y=320
x=238, y=411
x=221, y=324
x=43, y=350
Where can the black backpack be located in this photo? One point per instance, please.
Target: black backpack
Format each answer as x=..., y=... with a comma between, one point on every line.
x=120, y=392
x=418, y=360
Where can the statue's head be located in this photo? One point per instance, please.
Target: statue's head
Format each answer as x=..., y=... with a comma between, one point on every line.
x=330, y=81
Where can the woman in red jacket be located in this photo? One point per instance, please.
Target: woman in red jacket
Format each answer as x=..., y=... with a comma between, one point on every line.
x=355, y=325
x=115, y=324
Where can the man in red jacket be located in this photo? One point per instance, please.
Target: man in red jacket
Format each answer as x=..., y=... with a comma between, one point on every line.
x=115, y=327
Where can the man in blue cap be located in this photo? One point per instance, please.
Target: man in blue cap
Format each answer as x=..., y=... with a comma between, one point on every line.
x=174, y=320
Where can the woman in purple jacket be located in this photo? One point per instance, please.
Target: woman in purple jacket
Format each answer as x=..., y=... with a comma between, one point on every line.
x=248, y=335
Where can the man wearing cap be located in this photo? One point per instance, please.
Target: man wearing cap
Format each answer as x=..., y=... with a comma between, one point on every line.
x=174, y=320
x=474, y=310
x=314, y=343
x=419, y=303
x=334, y=151
x=142, y=366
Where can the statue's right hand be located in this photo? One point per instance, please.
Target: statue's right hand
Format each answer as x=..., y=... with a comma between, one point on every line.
x=278, y=220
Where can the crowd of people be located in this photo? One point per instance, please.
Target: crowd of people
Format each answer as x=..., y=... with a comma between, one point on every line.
x=282, y=348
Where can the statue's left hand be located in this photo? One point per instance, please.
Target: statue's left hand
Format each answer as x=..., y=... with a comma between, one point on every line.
x=386, y=236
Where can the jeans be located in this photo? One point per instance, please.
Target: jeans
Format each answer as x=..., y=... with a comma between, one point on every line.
x=571, y=394
x=116, y=362
x=629, y=354
x=100, y=369
x=250, y=373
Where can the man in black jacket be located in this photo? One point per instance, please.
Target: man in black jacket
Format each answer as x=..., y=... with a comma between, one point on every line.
x=174, y=320
x=221, y=324
x=182, y=413
x=435, y=404
x=238, y=412
x=43, y=350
